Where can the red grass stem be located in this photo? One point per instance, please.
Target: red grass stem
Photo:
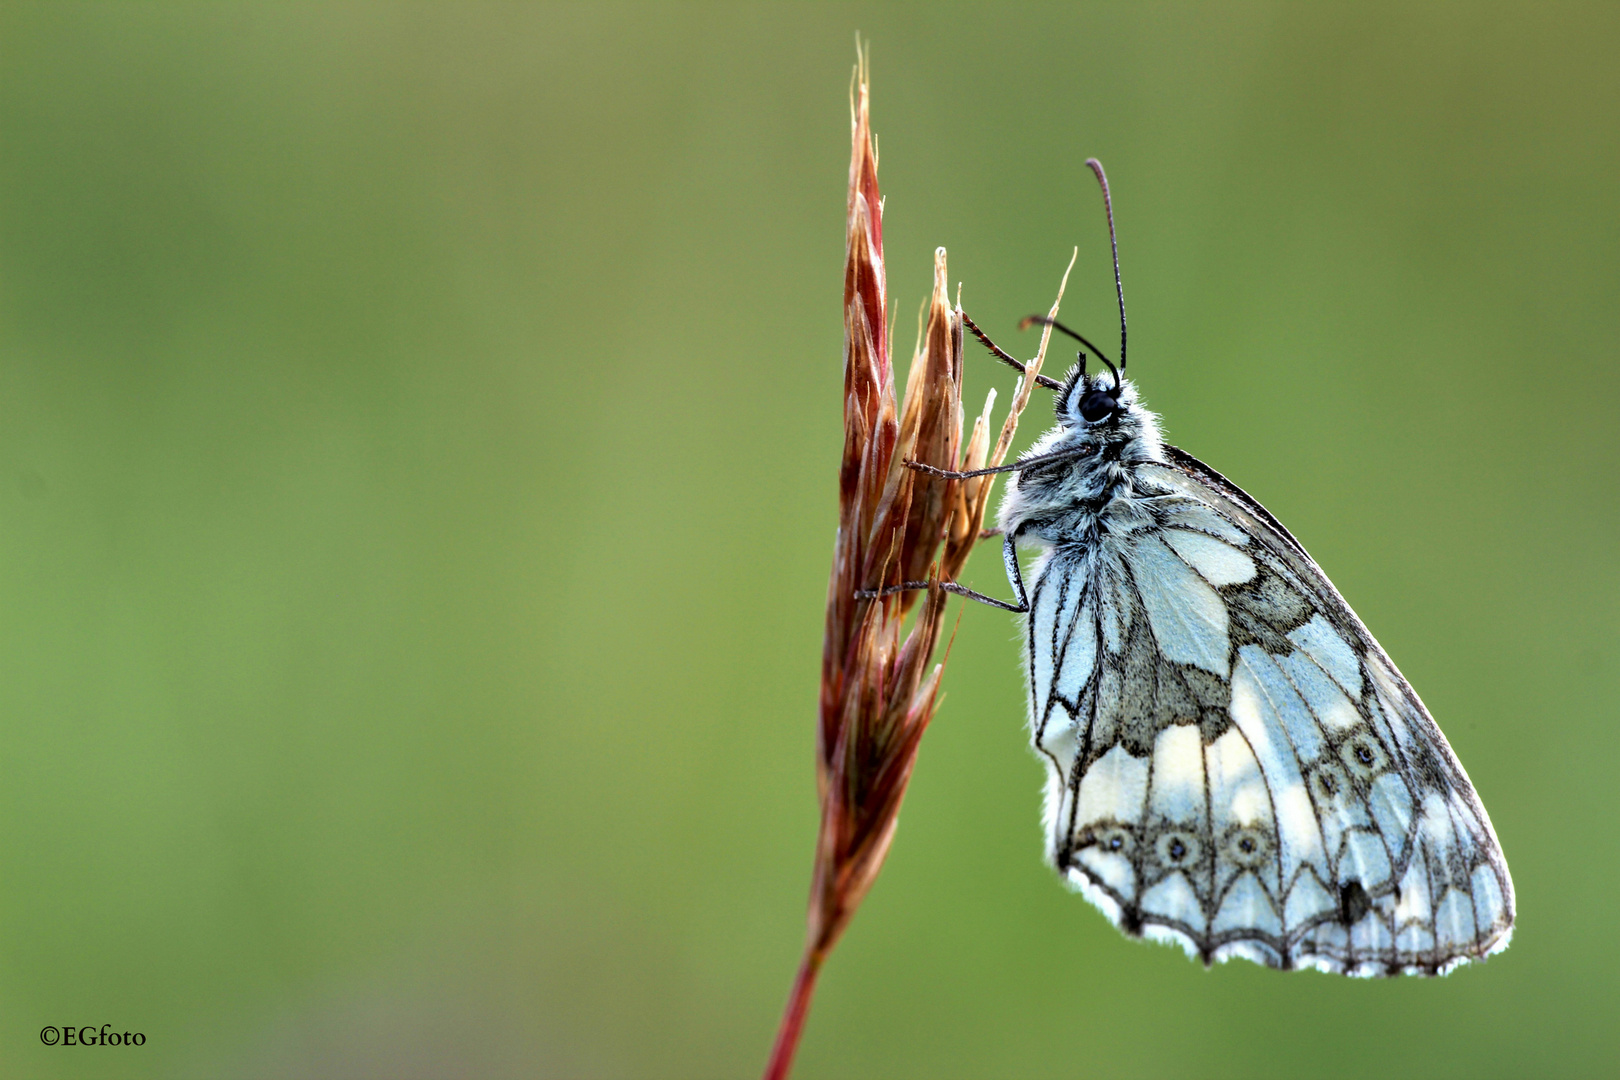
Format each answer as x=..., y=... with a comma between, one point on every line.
x=793, y=1016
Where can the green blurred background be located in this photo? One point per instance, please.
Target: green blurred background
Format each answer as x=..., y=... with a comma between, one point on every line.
x=417, y=443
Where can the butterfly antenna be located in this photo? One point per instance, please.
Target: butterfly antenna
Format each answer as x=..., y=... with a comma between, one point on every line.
x=1041, y=320
x=1119, y=379
x=1119, y=287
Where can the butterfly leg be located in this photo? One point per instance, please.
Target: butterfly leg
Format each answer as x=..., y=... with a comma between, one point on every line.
x=1009, y=555
x=949, y=586
x=1023, y=463
x=952, y=587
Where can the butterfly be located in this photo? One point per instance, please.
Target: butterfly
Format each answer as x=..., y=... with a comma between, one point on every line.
x=1234, y=763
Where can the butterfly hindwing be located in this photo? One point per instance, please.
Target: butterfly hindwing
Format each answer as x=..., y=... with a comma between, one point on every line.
x=1236, y=764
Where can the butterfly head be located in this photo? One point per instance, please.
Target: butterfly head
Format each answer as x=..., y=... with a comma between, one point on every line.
x=1104, y=411
x=1093, y=401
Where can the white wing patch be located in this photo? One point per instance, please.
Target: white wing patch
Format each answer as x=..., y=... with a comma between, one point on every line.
x=1218, y=563
x=1248, y=907
x=1198, y=517
x=1179, y=796
x=1188, y=617
x=1238, y=797
x=1324, y=697
x=1079, y=656
x=1238, y=768
x=1115, y=789
x=1331, y=652
x=1174, y=901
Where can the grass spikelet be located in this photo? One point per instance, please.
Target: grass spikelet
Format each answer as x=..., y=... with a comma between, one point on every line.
x=879, y=686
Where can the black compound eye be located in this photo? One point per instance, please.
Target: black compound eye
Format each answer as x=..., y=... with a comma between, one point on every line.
x=1096, y=406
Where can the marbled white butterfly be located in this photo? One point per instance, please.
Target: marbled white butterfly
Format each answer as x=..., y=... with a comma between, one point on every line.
x=1235, y=763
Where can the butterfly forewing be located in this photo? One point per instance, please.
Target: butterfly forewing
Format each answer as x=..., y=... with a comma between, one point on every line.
x=1236, y=764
